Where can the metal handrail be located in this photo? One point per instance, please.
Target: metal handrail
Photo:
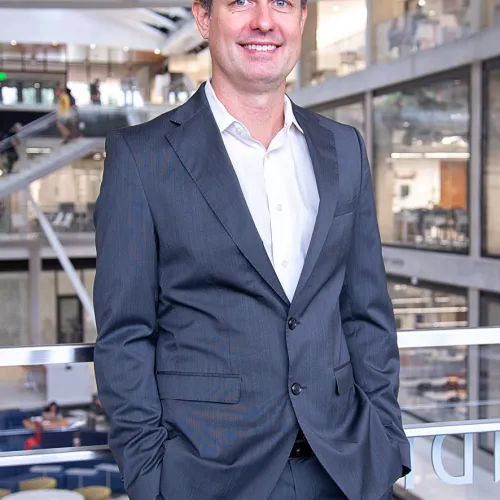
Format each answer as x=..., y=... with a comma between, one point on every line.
x=31, y=128
x=84, y=353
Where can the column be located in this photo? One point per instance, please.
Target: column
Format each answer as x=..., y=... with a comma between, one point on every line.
x=306, y=70
x=34, y=275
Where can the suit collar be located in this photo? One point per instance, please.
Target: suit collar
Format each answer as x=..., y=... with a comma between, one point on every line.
x=198, y=143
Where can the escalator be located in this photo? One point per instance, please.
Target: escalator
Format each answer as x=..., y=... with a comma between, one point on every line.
x=94, y=122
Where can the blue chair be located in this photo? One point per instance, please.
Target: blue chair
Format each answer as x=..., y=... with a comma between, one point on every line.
x=93, y=438
x=57, y=439
x=113, y=476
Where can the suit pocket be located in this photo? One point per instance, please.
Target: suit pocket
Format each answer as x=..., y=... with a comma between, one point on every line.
x=345, y=207
x=210, y=387
x=344, y=378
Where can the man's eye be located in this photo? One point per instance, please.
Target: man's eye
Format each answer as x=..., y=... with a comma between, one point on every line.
x=240, y=3
x=281, y=3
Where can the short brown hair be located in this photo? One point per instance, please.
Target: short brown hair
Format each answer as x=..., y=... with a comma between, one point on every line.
x=207, y=4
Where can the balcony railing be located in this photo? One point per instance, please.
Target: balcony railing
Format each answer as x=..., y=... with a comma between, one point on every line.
x=84, y=353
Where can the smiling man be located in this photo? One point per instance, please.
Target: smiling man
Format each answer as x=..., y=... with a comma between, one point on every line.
x=247, y=345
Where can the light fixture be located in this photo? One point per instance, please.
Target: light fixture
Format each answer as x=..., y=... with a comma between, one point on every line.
x=125, y=49
x=336, y=8
x=37, y=85
x=13, y=42
x=92, y=46
x=432, y=13
x=54, y=44
x=421, y=3
x=157, y=51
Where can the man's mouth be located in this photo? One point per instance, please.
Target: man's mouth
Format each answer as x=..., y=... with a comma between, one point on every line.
x=260, y=48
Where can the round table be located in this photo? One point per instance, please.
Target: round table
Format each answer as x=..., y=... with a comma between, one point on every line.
x=45, y=495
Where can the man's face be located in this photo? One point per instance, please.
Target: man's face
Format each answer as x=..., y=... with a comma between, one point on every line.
x=254, y=43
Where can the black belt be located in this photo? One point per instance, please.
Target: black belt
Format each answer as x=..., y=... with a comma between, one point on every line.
x=301, y=448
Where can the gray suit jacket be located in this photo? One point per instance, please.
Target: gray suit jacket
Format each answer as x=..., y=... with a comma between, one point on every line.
x=198, y=346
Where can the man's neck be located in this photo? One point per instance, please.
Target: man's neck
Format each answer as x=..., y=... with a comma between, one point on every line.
x=262, y=113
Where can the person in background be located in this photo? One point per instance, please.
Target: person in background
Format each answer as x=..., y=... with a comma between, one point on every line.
x=95, y=92
x=11, y=148
x=63, y=114
x=73, y=116
x=51, y=412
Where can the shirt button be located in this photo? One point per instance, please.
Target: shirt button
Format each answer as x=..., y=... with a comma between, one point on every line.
x=279, y=207
x=239, y=130
x=296, y=389
x=292, y=323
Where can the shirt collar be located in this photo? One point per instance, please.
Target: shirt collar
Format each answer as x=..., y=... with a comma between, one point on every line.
x=224, y=119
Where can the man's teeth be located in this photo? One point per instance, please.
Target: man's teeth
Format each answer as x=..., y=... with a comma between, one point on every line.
x=261, y=47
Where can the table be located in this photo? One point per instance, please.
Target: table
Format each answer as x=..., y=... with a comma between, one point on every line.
x=45, y=495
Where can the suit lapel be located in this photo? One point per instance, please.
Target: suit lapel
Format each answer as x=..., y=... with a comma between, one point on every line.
x=198, y=144
x=321, y=145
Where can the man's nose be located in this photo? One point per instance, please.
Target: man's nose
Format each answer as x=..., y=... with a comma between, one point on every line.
x=262, y=18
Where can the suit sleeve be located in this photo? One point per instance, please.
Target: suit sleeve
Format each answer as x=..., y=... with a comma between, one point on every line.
x=368, y=317
x=125, y=303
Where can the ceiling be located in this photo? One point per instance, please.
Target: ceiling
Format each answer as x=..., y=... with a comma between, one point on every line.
x=91, y=4
x=170, y=30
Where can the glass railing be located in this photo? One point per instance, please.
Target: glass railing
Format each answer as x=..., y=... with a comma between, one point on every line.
x=338, y=59
x=420, y=30
x=434, y=367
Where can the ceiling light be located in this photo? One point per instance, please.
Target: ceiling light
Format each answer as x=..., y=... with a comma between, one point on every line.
x=157, y=51
x=421, y=3
x=125, y=49
x=92, y=46
x=54, y=43
x=432, y=13
x=37, y=85
x=13, y=42
x=336, y=8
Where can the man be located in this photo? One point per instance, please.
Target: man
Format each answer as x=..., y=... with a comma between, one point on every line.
x=247, y=346
x=95, y=92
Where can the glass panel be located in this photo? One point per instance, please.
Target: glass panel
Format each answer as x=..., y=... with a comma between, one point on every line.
x=48, y=96
x=350, y=114
x=401, y=29
x=433, y=380
x=489, y=368
x=421, y=165
x=9, y=95
x=334, y=40
x=14, y=307
x=492, y=165
x=29, y=95
x=492, y=8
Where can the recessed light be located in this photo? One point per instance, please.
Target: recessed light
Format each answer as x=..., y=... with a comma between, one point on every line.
x=92, y=46
x=421, y=3
x=125, y=49
x=157, y=51
x=13, y=42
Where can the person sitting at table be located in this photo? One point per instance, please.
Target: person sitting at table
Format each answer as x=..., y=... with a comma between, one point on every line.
x=51, y=412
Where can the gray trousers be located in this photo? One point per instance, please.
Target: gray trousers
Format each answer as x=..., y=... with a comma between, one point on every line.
x=306, y=479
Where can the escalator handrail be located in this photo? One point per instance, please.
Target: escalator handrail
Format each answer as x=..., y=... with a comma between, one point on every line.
x=42, y=123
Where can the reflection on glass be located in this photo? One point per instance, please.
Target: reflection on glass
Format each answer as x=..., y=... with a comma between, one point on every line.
x=423, y=26
x=334, y=40
x=350, y=114
x=492, y=165
x=421, y=165
x=48, y=96
x=489, y=368
x=433, y=380
x=29, y=95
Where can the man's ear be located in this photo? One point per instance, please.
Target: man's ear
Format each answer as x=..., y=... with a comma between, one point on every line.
x=202, y=18
x=303, y=18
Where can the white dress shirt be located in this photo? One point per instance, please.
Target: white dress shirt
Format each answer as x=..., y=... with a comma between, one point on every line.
x=279, y=187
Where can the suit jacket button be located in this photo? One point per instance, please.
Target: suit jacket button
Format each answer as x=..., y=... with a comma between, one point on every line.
x=292, y=323
x=296, y=389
